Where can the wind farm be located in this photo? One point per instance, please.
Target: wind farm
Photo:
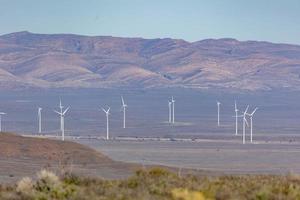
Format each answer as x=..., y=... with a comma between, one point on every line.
x=150, y=100
x=195, y=127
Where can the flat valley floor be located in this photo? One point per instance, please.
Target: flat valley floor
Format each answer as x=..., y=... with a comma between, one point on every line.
x=223, y=156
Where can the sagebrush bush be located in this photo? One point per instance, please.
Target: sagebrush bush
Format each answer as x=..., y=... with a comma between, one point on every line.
x=154, y=184
x=25, y=186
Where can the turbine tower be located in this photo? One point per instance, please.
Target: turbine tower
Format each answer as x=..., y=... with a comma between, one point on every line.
x=251, y=124
x=40, y=119
x=244, y=124
x=62, y=120
x=218, y=104
x=173, y=105
x=170, y=111
x=124, y=112
x=1, y=113
x=61, y=110
x=236, y=117
x=107, y=123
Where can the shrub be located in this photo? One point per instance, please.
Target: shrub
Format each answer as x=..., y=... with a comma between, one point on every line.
x=25, y=186
x=154, y=184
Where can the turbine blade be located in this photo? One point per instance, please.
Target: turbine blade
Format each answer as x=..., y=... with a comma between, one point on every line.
x=235, y=107
x=122, y=101
x=246, y=109
x=254, y=111
x=57, y=112
x=66, y=111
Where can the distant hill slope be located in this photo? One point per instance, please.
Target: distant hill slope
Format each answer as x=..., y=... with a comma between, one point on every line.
x=24, y=156
x=15, y=146
x=65, y=60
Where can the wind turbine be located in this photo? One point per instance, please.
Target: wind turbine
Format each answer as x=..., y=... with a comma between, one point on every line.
x=170, y=111
x=62, y=120
x=244, y=124
x=251, y=124
x=1, y=113
x=124, y=112
x=40, y=119
x=173, y=104
x=236, y=118
x=218, y=104
x=107, y=123
x=61, y=110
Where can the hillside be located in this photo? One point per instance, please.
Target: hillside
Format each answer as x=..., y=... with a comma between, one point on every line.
x=24, y=156
x=30, y=60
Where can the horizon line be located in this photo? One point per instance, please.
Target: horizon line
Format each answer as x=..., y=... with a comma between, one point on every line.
x=140, y=37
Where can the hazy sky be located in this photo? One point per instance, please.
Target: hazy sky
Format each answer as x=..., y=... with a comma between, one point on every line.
x=270, y=20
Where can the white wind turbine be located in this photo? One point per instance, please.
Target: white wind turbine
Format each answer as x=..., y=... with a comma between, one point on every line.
x=170, y=111
x=40, y=119
x=236, y=117
x=124, y=106
x=61, y=110
x=107, y=122
x=218, y=104
x=62, y=119
x=251, y=124
x=244, y=124
x=1, y=113
x=173, y=104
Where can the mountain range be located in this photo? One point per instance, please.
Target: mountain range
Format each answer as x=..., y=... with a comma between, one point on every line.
x=29, y=60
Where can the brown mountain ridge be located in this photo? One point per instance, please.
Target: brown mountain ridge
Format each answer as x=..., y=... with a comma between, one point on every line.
x=72, y=61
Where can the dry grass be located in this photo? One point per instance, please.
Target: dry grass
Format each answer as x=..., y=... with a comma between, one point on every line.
x=154, y=184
